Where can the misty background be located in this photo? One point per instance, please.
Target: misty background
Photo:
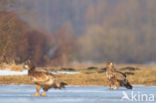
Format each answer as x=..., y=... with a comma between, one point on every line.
x=58, y=32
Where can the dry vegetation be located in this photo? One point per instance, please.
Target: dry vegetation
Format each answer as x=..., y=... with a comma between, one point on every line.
x=12, y=66
x=145, y=75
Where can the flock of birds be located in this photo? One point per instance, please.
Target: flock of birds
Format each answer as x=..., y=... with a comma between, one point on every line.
x=44, y=79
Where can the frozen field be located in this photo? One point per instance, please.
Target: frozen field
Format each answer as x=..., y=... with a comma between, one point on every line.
x=74, y=94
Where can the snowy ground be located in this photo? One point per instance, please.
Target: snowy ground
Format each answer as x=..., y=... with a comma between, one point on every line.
x=74, y=94
x=24, y=72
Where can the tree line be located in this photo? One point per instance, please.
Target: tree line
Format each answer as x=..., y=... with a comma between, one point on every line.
x=82, y=31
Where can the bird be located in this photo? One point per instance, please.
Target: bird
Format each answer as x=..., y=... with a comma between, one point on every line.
x=116, y=78
x=42, y=78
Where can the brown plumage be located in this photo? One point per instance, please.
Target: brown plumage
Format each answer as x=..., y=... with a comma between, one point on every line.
x=42, y=78
x=116, y=78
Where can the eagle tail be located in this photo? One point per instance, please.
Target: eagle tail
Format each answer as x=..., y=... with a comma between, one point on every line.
x=63, y=84
x=128, y=85
x=60, y=85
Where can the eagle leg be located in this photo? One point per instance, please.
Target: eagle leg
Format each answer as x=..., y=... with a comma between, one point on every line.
x=45, y=90
x=110, y=85
x=37, y=90
x=43, y=94
x=116, y=85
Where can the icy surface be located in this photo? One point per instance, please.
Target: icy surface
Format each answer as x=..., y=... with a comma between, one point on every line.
x=72, y=94
x=24, y=72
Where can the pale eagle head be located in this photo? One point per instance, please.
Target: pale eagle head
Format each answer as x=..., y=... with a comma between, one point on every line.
x=109, y=65
x=28, y=65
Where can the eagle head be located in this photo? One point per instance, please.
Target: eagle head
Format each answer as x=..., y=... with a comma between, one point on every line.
x=28, y=65
x=109, y=65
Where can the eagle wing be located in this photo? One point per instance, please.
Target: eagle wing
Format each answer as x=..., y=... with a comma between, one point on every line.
x=41, y=76
x=119, y=76
x=110, y=73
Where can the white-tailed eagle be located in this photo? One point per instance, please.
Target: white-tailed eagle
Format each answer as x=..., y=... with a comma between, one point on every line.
x=116, y=78
x=42, y=79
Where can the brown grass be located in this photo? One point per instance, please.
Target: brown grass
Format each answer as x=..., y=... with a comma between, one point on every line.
x=15, y=80
x=13, y=66
x=144, y=76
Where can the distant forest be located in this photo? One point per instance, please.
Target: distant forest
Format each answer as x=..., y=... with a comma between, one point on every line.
x=58, y=32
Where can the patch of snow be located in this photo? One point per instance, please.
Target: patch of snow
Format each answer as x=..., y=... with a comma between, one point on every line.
x=9, y=72
x=25, y=72
x=64, y=72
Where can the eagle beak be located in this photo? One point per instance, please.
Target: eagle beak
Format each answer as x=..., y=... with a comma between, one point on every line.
x=111, y=64
x=25, y=67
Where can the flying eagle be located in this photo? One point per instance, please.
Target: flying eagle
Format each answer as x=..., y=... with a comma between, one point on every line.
x=42, y=78
x=116, y=78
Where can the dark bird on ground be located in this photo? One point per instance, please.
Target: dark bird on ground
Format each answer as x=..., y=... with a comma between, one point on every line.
x=116, y=78
x=42, y=78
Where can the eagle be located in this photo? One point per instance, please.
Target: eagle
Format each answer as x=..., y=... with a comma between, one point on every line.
x=116, y=78
x=42, y=78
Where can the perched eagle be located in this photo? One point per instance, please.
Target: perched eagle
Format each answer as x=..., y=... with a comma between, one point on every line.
x=42, y=78
x=116, y=78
